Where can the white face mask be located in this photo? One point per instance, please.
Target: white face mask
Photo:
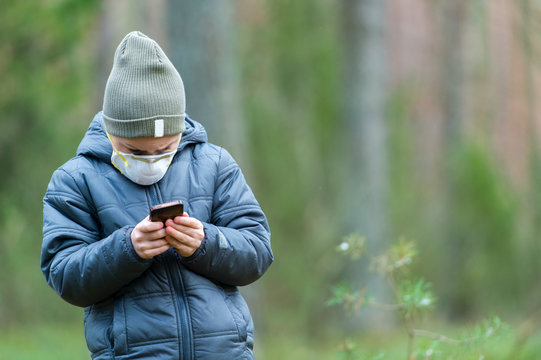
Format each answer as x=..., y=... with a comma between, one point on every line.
x=142, y=169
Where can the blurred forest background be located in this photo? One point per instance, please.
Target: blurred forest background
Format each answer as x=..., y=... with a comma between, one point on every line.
x=414, y=118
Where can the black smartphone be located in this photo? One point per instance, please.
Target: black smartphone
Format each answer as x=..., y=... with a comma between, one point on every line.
x=166, y=211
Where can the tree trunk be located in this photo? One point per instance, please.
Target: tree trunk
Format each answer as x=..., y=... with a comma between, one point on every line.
x=118, y=18
x=365, y=127
x=202, y=45
x=452, y=14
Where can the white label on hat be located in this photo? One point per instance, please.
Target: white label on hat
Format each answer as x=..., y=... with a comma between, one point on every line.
x=158, y=128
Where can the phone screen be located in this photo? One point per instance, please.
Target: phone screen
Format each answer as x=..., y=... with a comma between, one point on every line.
x=166, y=211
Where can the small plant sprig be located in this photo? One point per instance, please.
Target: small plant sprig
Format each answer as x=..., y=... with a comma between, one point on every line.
x=413, y=297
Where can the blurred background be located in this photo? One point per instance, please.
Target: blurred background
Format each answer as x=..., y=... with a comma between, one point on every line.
x=413, y=118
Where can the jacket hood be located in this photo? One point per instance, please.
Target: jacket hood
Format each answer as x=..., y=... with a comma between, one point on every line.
x=96, y=144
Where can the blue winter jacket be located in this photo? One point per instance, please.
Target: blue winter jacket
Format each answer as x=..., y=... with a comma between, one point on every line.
x=168, y=307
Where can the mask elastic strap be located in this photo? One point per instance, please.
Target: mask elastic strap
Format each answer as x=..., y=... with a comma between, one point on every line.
x=118, y=153
x=176, y=149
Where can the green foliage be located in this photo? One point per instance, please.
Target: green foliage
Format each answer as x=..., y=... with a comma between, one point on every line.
x=291, y=79
x=413, y=298
x=407, y=200
x=349, y=350
x=352, y=301
x=45, y=83
x=461, y=208
x=398, y=257
x=466, y=213
x=354, y=245
x=477, y=252
x=471, y=344
x=482, y=230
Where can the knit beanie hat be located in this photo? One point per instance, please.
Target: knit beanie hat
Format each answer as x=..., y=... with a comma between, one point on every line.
x=144, y=95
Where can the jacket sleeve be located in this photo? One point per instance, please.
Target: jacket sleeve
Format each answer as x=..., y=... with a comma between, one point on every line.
x=236, y=249
x=80, y=266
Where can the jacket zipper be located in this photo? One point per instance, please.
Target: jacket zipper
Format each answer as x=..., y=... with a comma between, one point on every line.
x=185, y=331
x=185, y=334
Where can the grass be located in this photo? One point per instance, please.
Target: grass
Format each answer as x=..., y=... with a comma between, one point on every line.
x=393, y=346
x=44, y=342
x=286, y=346
x=66, y=341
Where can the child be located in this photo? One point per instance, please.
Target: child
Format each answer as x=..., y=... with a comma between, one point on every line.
x=152, y=289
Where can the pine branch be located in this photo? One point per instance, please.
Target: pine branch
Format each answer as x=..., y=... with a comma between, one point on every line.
x=436, y=336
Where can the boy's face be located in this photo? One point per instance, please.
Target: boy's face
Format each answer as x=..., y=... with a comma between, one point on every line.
x=146, y=145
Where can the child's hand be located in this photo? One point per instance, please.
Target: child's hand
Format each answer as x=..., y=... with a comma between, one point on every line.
x=185, y=234
x=148, y=239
